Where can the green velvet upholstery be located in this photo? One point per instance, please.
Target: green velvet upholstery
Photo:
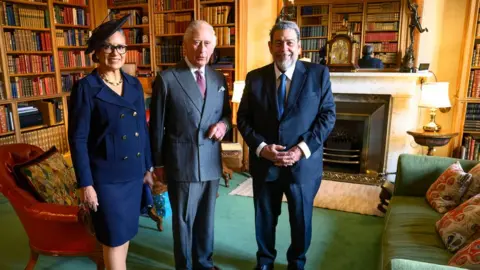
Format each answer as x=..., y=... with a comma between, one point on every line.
x=409, y=231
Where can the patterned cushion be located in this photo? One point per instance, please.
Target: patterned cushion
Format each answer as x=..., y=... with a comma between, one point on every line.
x=51, y=178
x=467, y=257
x=461, y=225
x=474, y=187
x=446, y=192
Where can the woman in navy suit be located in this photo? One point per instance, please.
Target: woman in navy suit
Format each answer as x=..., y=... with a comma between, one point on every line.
x=109, y=143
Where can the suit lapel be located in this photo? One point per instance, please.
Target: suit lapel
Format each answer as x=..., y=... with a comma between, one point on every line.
x=185, y=79
x=296, y=87
x=212, y=88
x=271, y=88
x=108, y=95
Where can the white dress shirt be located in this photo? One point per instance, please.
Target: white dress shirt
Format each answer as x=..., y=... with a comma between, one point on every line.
x=194, y=69
x=289, y=73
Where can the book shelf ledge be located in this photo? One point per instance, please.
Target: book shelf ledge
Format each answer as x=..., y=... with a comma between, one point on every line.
x=72, y=26
x=130, y=6
x=7, y=133
x=175, y=11
x=72, y=47
x=135, y=26
x=76, y=68
x=29, y=52
x=25, y=28
x=31, y=74
x=217, y=2
x=69, y=4
x=25, y=99
x=27, y=3
x=170, y=35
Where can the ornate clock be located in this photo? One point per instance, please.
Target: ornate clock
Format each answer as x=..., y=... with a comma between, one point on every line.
x=341, y=54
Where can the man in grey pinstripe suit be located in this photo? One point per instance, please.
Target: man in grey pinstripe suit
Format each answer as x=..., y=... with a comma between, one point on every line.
x=190, y=114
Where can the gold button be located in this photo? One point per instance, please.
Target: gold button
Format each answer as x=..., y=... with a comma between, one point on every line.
x=124, y=137
x=122, y=115
x=138, y=154
x=134, y=113
x=136, y=134
x=125, y=158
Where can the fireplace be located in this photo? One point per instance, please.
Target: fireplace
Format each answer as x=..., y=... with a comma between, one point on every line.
x=357, y=145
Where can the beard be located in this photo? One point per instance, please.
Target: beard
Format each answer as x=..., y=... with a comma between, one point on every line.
x=284, y=64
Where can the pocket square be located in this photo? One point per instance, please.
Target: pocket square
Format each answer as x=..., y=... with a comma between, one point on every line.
x=221, y=89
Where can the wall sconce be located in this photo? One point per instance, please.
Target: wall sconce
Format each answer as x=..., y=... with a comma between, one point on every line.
x=434, y=96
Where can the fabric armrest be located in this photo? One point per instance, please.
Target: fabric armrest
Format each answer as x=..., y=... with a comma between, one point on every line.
x=53, y=212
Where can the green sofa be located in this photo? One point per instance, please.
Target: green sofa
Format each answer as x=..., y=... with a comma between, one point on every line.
x=409, y=231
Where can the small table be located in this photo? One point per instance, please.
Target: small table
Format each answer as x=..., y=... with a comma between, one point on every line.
x=432, y=139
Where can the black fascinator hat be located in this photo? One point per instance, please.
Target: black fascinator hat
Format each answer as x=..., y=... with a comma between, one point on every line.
x=103, y=32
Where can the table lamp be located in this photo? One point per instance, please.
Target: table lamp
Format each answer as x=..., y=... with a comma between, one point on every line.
x=434, y=96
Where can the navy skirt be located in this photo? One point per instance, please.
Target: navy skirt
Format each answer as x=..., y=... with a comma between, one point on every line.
x=117, y=218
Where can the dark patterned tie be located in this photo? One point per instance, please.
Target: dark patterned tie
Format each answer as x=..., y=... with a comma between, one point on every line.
x=282, y=89
x=200, y=82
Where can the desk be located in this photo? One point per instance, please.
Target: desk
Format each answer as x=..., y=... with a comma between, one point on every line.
x=431, y=139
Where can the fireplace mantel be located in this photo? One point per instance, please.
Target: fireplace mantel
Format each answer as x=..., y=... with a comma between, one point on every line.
x=405, y=91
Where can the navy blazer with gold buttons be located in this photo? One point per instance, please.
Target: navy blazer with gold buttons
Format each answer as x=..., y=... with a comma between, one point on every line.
x=108, y=133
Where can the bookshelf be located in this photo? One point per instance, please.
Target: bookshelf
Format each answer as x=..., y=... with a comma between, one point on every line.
x=41, y=57
x=369, y=22
x=467, y=109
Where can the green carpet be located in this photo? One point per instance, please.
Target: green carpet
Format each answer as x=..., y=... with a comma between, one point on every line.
x=340, y=240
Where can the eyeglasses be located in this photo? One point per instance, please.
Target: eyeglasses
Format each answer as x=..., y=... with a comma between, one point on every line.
x=108, y=48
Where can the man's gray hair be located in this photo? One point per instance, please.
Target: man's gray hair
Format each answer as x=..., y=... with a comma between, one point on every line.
x=194, y=25
x=367, y=49
x=283, y=25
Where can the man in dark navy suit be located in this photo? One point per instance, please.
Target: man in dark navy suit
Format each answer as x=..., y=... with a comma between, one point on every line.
x=368, y=61
x=286, y=113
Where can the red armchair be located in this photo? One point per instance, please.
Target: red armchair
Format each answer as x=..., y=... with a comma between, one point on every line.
x=53, y=230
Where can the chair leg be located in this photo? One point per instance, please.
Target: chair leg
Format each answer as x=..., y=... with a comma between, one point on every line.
x=33, y=260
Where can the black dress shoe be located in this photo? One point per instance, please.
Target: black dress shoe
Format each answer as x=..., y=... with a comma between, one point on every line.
x=263, y=267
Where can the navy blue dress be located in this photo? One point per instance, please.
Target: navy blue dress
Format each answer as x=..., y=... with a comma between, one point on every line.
x=110, y=150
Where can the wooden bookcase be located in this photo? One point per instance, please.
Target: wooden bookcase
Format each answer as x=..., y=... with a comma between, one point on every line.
x=467, y=110
x=38, y=68
x=369, y=21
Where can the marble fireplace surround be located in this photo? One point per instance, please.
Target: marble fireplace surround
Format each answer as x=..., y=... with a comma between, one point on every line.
x=405, y=91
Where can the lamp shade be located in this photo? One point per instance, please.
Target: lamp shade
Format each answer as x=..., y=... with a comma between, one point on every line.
x=238, y=87
x=435, y=95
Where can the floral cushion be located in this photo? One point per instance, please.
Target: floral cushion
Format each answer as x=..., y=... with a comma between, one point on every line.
x=460, y=226
x=51, y=178
x=474, y=187
x=467, y=257
x=446, y=192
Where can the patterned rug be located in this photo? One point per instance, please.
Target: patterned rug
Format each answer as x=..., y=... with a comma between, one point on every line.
x=341, y=196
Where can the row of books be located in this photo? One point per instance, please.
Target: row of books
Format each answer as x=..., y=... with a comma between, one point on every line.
x=473, y=111
x=387, y=58
x=6, y=119
x=29, y=87
x=68, y=80
x=47, y=138
x=26, y=40
x=138, y=57
x=351, y=17
x=353, y=26
x=379, y=26
x=476, y=56
x=474, y=85
x=3, y=93
x=380, y=37
x=72, y=37
x=68, y=59
x=172, y=23
x=70, y=15
x=76, y=2
x=347, y=8
x=225, y=36
x=313, y=31
x=385, y=47
x=133, y=36
x=315, y=57
x=383, y=17
x=134, y=19
x=314, y=10
x=313, y=44
x=218, y=14
x=472, y=125
x=383, y=7
x=20, y=15
x=170, y=51
x=29, y=115
x=22, y=64
x=125, y=2
x=470, y=148
x=164, y=5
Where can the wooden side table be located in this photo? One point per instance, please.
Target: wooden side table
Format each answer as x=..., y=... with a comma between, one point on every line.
x=431, y=139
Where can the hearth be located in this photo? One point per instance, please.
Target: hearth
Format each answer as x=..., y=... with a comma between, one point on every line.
x=357, y=146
